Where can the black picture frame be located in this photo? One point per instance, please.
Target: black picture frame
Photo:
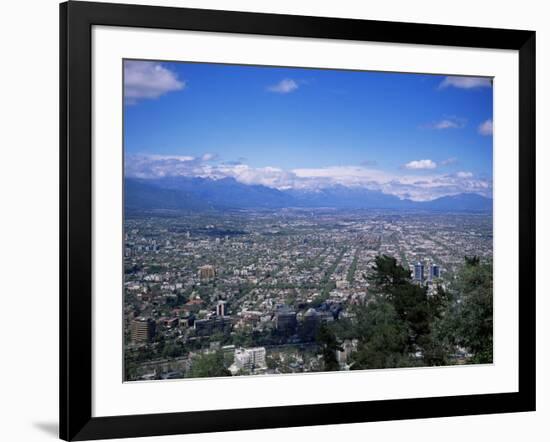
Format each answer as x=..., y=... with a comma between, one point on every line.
x=76, y=21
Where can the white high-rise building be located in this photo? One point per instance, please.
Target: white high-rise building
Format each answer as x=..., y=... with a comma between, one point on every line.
x=250, y=358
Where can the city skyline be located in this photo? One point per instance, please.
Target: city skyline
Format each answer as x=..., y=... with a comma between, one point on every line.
x=294, y=128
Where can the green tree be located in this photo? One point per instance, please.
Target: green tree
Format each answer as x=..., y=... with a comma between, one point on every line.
x=382, y=337
x=472, y=260
x=172, y=350
x=386, y=275
x=397, y=324
x=208, y=365
x=329, y=344
x=220, y=337
x=439, y=346
x=411, y=304
x=473, y=312
x=414, y=308
x=243, y=338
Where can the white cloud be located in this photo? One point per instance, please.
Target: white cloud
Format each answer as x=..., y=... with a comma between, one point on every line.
x=403, y=186
x=449, y=123
x=157, y=166
x=421, y=164
x=486, y=128
x=284, y=86
x=466, y=82
x=148, y=80
x=345, y=175
x=266, y=176
x=170, y=157
x=446, y=124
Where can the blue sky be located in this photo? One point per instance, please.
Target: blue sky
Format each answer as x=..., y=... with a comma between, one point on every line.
x=415, y=136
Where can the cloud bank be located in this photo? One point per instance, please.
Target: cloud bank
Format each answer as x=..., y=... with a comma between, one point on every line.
x=411, y=186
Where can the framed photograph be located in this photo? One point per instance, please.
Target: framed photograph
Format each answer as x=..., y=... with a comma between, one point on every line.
x=273, y=220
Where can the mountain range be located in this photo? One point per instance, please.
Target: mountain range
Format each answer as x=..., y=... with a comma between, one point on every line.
x=202, y=194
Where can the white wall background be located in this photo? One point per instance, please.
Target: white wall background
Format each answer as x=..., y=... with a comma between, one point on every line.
x=29, y=217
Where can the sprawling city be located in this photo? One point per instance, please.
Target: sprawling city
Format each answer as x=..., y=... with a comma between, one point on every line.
x=250, y=291
x=285, y=221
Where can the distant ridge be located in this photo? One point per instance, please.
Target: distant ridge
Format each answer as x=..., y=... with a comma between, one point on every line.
x=143, y=195
x=197, y=194
x=227, y=192
x=460, y=202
